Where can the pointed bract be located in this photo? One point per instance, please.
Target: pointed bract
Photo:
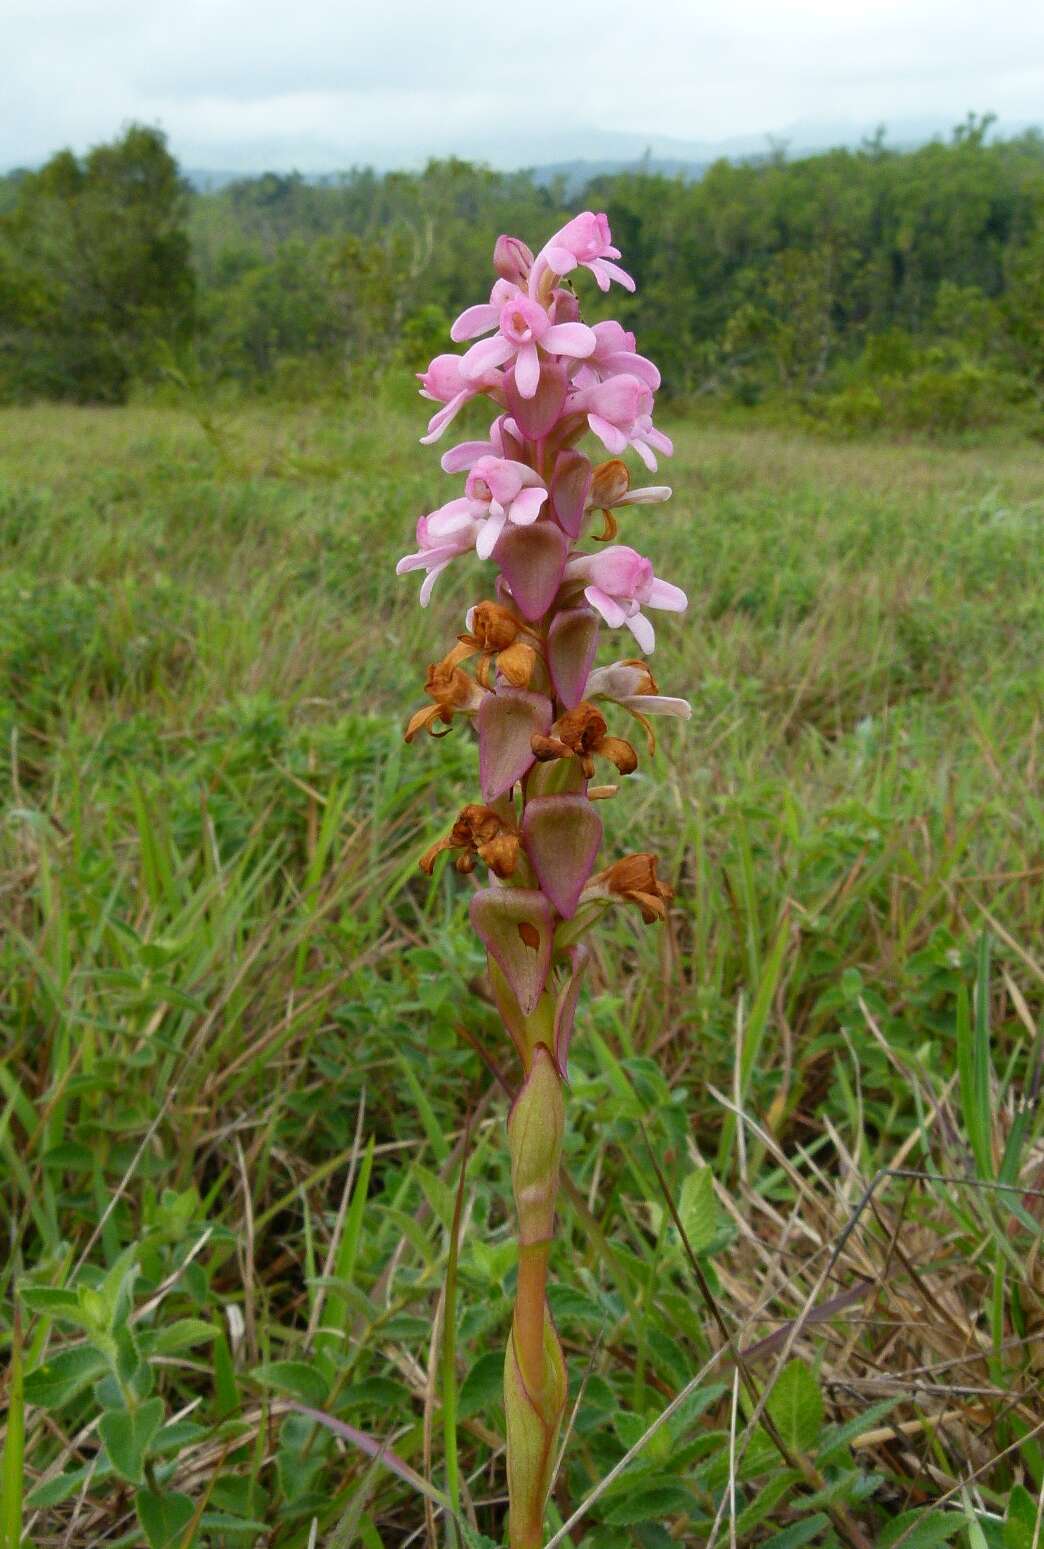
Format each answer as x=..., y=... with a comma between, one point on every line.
x=565, y=1006
x=572, y=642
x=532, y=559
x=533, y=1421
x=570, y=487
x=516, y=926
x=562, y=835
x=506, y=723
x=536, y=413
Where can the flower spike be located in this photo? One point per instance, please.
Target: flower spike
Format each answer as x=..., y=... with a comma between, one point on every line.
x=533, y=503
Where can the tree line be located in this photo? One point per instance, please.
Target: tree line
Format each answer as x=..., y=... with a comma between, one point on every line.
x=864, y=286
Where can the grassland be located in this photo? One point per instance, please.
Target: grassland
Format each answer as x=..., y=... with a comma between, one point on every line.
x=242, y=1031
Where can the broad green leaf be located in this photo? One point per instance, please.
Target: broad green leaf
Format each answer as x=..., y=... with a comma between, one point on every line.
x=649, y=1502
x=54, y=1491
x=64, y=1376
x=838, y=1436
x=474, y=1540
x=491, y=1261
x=698, y=1209
x=295, y=1377
x=483, y=1386
x=225, y=1522
x=1020, y=1520
x=181, y=1335
x=766, y=1500
x=796, y=1405
x=438, y=1194
x=164, y=1518
x=127, y=1435
x=798, y=1533
x=52, y=1300
x=921, y=1529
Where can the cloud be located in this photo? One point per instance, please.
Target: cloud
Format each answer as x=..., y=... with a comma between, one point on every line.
x=323, y=83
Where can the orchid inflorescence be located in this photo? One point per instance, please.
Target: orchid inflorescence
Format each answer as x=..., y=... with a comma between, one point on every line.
x=540, y=706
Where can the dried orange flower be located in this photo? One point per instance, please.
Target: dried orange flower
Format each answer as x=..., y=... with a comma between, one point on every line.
x=483, y=832
x=582, y=733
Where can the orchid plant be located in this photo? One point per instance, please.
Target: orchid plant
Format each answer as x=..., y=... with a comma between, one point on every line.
x=531, y=503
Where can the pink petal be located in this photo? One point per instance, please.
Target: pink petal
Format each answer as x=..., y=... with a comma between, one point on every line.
x=473, y=321
x=612, y=439
x=633, y=365
x=570, y=487
x=527, y=370
x=562, y=835
x=429, y=581
x=525, y=507
x=560, y=259
x=618, y=399
x=620, y=569
x=507, y=721
x=496, y=914
x=646, y=495
x=646, y=454
x=607, y=606
x=451, y=518
x=611, y=271
x=489, y=534
x=438, y=422
x=565, y=1006
x=571, y=644
x=570, y=339
x=484, y=355
x=643, y=632
x=466, y=455
x=661, y=594
x=661, y=442
x=537, y=415
x=658, y=704
x=532, y=559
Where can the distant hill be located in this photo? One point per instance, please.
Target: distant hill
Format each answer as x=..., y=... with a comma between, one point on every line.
x=577, y=156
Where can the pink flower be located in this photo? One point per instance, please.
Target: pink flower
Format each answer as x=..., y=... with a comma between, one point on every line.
x=585, y=240
x=619, y=411
x=618, y=583
x=499, y=491
x=441, y=536
x=443, y=383
x=522, y=325
x=615, y=353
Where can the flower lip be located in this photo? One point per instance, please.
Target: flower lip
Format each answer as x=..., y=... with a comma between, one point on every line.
x=522, y=320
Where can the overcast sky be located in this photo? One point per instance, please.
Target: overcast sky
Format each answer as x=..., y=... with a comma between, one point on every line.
x=322, y=84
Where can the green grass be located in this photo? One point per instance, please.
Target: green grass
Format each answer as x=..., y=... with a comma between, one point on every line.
x=236, y=1075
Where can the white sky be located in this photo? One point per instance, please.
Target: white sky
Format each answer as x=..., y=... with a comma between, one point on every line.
x=320, y=84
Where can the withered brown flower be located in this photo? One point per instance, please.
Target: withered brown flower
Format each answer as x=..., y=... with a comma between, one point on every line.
x=582, y=733
x=498, y=635
x=483, y=832
x=452, y=690
x=634, y=878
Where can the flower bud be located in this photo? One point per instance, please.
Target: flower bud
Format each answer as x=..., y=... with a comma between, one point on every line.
x=512, y=260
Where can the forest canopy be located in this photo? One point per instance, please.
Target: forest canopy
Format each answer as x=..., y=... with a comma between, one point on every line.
x=876, y=283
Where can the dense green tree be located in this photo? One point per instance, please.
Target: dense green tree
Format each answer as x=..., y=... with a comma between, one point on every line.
x=96, y=268
x=853, y=272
